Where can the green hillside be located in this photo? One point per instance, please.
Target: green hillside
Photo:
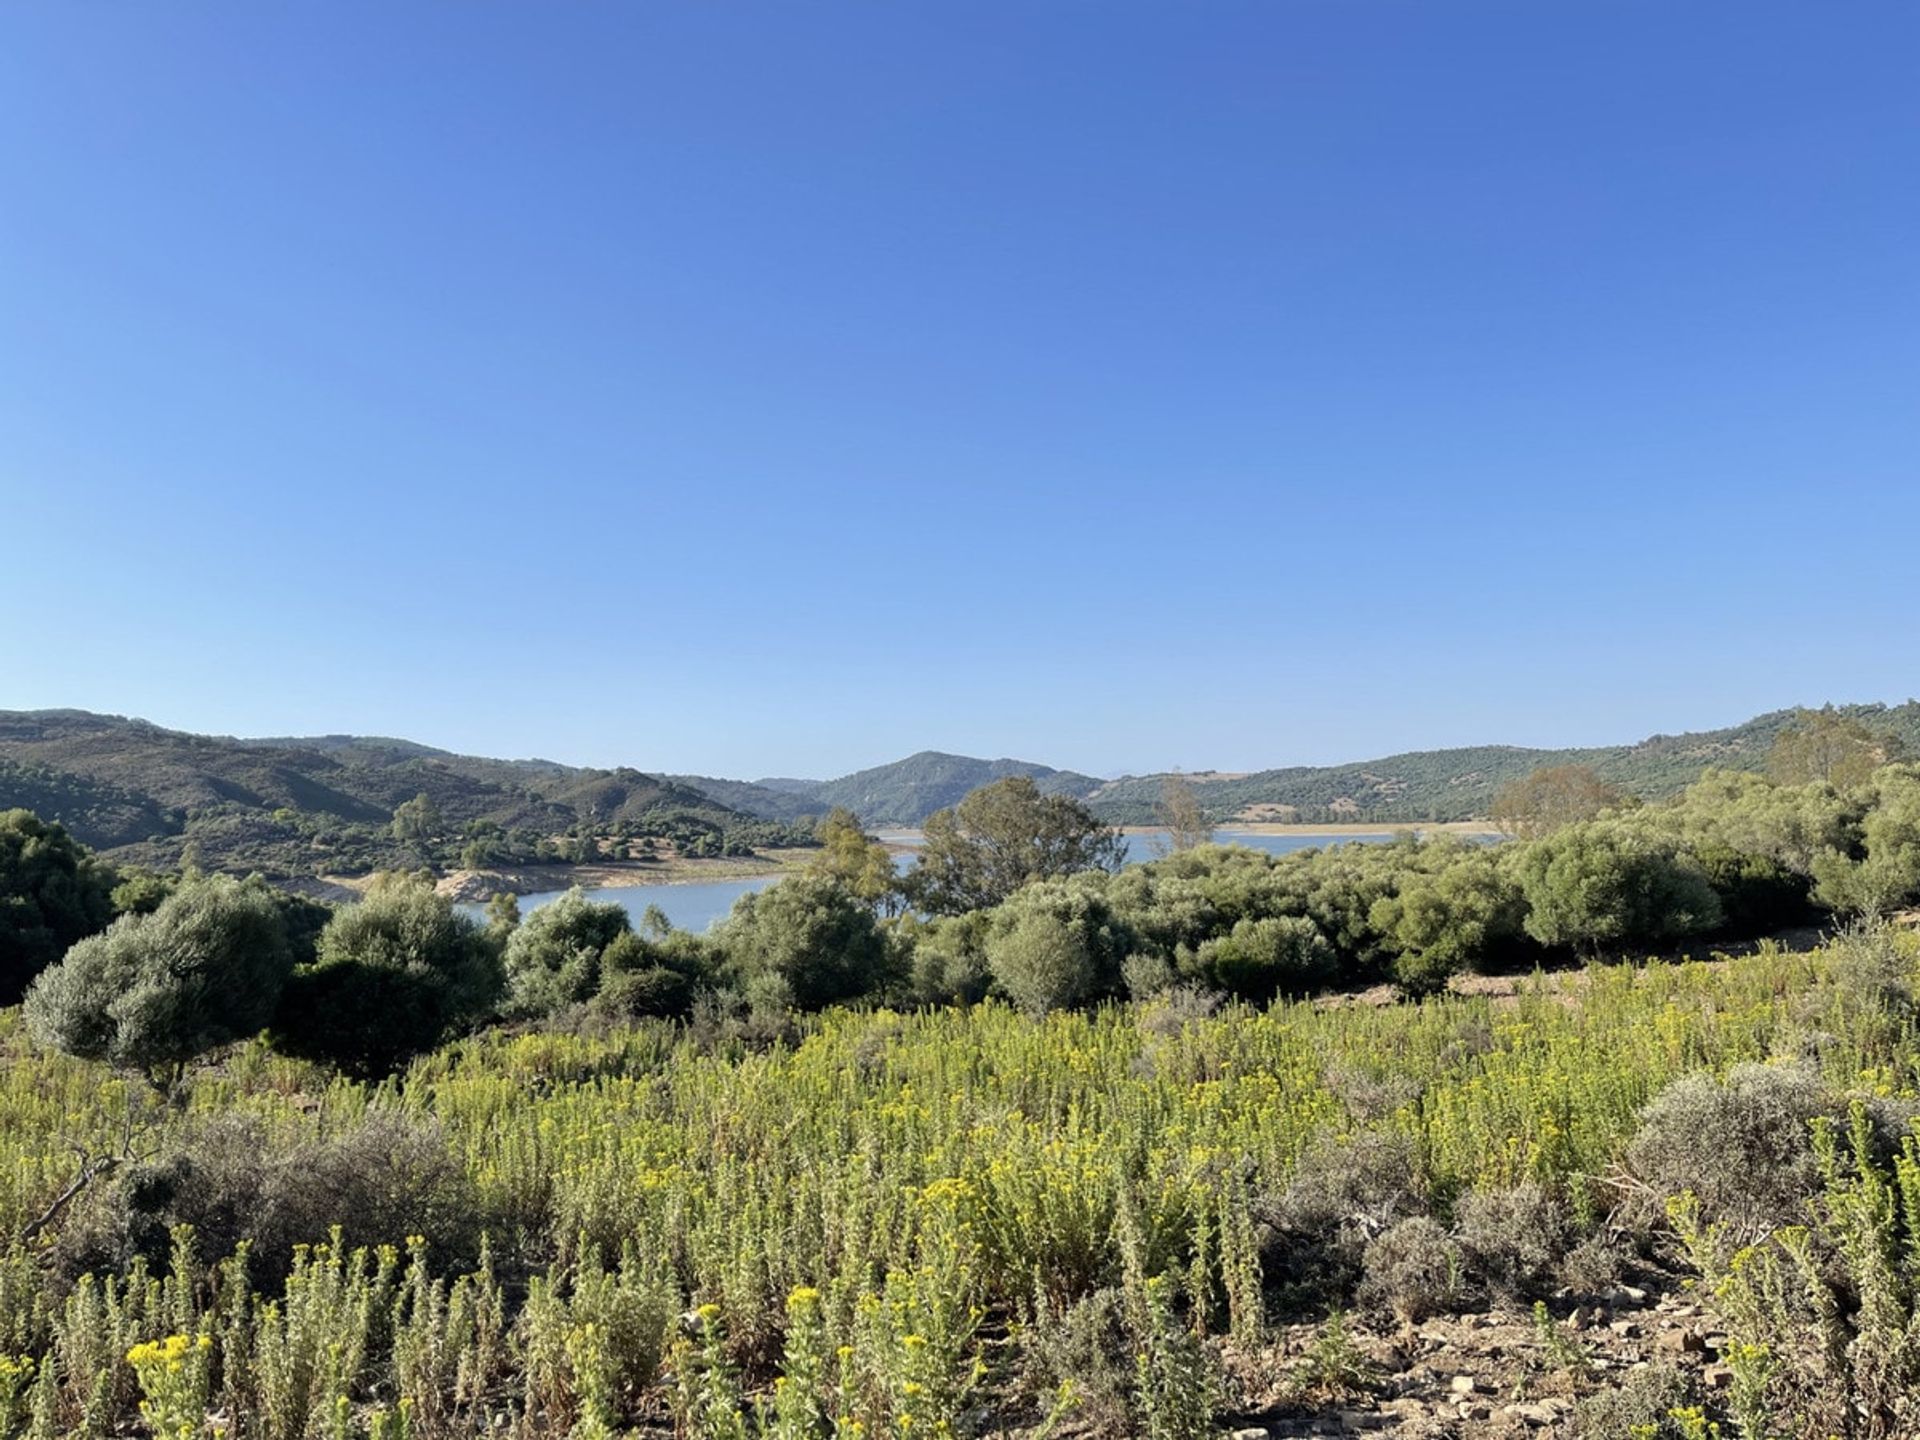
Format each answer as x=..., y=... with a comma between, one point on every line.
x=1459, y=784
x=148, y=795
x=902, y=793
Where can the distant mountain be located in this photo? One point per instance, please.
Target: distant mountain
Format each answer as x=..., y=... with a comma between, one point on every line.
x=141, y=792
x=902, y=793
x=1459, y=784
x=769, y=799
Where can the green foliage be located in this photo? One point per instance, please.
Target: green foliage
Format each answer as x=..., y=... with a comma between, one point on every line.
x=1883, y=871
x=394, y=975
x=811, y=933
x=965, y=1176
x=52, y=894
x=1056, y=944
x=556, y=955
x=1001, y=837
x=1259, y=959
x=1596, y=886
x=155, y=991
x=860, y=863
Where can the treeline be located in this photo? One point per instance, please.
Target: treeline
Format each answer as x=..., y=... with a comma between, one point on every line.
x=1017, y=894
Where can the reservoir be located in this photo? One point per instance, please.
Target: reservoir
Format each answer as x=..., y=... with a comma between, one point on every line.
x=697, y=906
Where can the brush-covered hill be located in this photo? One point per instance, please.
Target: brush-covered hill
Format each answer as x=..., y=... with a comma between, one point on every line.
x=149, y=795
x=904, y=792
x=1458, y=784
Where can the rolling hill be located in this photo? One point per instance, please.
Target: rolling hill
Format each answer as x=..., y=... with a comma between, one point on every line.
x=902, y=793
x=1458, y=784
x=143, y=794
x=296, y=806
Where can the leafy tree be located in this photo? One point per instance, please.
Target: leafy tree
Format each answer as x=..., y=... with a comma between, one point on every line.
x=1550, y=799
x=1181, y=815
x=52, y=893
x=154, y=992
x=554, y=957
x=417, y=821
x=1827, y=747
x=1595, y=886
x=1886, y=874
x=1001, y=837
x=854, y=858
x=395, y=974
x=812, y=933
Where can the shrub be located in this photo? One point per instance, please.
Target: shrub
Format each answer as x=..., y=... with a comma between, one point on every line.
x=1640, y=1407
x=554, y=957
x=1042, y=963
x=1413, y=1270
x=1743, y=1146
x=154, y=991
x=812, y=933
x=1056, y=945
x=654, y=992
x=1259, y=959
x=1598, y=886
x=381, y=1179
x=1513, y=1240
x=1088, y=1345
x=1341, y=1195
x=396, y=974
x=367, y=1020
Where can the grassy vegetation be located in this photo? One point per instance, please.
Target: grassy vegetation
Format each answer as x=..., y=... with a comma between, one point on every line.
x=904, y=1218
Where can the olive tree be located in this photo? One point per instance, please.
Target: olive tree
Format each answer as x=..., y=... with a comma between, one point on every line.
x=1595, y=887
x=153, y=992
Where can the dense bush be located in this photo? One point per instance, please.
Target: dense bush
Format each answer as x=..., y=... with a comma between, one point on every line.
x=1413, y=1270
x=1513, y=1240
x=1056, y=944
x=1742, y=1145
x=555, y=956
x=813, y=935
x=52, y=893
x=380, y=1179
x=394, y=975
x=1259, y=959
x=1595, y=886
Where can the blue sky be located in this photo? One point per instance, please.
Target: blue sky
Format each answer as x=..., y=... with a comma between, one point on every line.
x=773, y=388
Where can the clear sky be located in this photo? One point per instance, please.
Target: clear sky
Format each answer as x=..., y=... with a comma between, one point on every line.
x=758, y=388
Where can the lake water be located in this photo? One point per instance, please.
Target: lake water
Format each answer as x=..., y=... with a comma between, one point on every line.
x=696, y=907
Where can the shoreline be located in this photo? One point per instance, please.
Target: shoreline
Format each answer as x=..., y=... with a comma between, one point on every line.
x=476, y=887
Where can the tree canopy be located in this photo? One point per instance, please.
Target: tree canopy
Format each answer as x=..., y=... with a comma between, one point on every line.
x=1001, y=837
x=52, y=893
x=1550, y=798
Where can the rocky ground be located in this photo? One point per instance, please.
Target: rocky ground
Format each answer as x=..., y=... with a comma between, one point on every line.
x=1488, y=1374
